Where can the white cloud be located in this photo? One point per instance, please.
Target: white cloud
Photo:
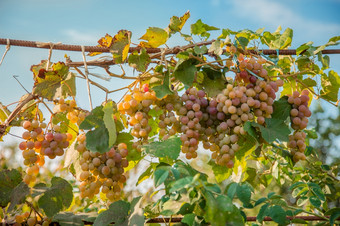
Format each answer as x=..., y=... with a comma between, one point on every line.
x=80, y=37
x=274, y=13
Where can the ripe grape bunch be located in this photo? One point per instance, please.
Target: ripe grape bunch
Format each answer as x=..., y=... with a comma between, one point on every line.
x=137, y=105
x=70, y=107
x=37, y=145
x=299, y=119
x=103, y=171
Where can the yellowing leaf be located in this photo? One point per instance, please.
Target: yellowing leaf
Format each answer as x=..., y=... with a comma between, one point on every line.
x=105, y=41
x=120, y=45
x=177, y=23
x=155, y=37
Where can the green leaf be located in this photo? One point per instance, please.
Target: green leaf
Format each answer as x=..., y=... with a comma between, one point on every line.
x=164, y=89
x=315, y=201
x=189, y=219
x=221, y=172
x=120, y=45
x=93, y=119
x=213, y=81
x=277, y=213
x=334, y=215
x=318, y=192
x=9, y=179
x=242, y=41
x=110, y=122
x=200, y=28
x=247, y=145
x=117, y=213
x=139, y=61
x=225, y=204
x=262, y=213
x=330, y=86
x=136, y=216
x=185, y=71
x=98, y=140
x=261, y=200
x=169, y=148
x=69, y=219
x=281, y=109
x=200, y=50
x=276, y=40
x=243, y=192
x=123, y=137
x=181, y=183
x=275, y=129
x=232, y=190
x=250, y=129
x=177, y=23
x=308, y=82
x=161, y=173
x=18, y=195
x=299, y=191
x=297, y=184
x=155, y=37
x=302, y=200
x=56, y=198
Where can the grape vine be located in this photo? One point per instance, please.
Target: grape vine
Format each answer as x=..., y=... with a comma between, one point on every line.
x=222, y=104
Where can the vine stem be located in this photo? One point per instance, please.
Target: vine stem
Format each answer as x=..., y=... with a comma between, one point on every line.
x=32, y=207
x=311, y=213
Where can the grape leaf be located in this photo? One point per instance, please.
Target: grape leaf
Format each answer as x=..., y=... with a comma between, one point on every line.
x=110, y=122
x=69, y=219
x=330, y=86
x=185, y=71
x=18, y=195
x=117, y=213
x=243, y=192
x=9, y=179
x=120, y=45
x=200, y=28
x=169, y=148
x=275, y=129
x=277, y=213
x=139, y=61
x=97, y=140
x=164, y=89
x=4, y=112
x=155, y=37
x=281, y=109
x=177, y=23
x=57, y=197
x=161, y=173
x=247, y=145
x=105, y=41
x=213, y=81
x=221, y=172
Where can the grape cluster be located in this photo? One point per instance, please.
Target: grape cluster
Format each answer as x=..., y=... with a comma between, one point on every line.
x=103, y=171
x=298, y=146
x=137, y=105
x=299, y=119
x=251, y=64
x=37, y=145
x=70, y=107
x=300, y=111
x=31, y=147
x=189, y=116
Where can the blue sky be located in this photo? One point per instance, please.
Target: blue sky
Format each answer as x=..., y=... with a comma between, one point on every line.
x=85, y=21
